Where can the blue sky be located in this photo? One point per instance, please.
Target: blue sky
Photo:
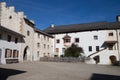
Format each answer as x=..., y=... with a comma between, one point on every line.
x=63, y=12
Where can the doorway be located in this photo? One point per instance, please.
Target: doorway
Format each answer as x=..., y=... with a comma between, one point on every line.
x=96, y=59
x=112, y=59
x=26, y=53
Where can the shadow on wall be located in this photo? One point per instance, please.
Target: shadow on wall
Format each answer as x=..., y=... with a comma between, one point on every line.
x=96, y=76
x=5, y=73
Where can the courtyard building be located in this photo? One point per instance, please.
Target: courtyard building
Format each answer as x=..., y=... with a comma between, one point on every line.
x=100, y=40
x=21, y=41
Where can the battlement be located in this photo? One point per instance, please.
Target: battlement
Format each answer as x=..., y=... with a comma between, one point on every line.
x=3, y=4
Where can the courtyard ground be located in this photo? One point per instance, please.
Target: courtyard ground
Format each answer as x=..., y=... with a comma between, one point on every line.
x=58, y=71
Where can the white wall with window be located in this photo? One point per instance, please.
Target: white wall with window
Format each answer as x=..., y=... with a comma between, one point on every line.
x=82, y=39
x=92, y=42
x=13, y=48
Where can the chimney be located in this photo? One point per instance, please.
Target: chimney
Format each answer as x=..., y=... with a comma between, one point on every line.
x=52, y=25
x=118, y=18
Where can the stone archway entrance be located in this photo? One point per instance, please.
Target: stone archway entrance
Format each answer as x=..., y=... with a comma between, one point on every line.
x=112, y=59
x=26, y=53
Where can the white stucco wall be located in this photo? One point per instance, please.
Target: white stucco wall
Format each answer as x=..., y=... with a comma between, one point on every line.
x=85, y=39
x=4, y=44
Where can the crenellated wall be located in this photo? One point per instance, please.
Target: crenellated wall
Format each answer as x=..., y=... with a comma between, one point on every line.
x=9, y=18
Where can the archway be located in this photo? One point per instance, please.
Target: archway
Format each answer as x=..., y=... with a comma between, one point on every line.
x=112, y=59
x=96, y=59
x=26, y=53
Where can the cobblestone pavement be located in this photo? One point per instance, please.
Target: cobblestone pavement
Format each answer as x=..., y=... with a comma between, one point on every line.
x=58, y=71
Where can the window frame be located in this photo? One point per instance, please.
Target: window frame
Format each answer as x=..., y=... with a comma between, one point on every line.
x=9, y=38
x=77, y=40
x=57, y=41
x=90, y=48
x=110, y=34
x=95, y=37
x=28, y=33
x=16, y=40
x=97, y=48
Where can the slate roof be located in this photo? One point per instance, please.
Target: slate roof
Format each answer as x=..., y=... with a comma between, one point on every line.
x=44, y=33
x=82, y=27
x=10, y=31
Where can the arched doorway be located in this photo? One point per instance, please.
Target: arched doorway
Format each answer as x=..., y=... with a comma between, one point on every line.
x=0, y=54
x=26, y=53
x=96, y=59
x=112, y=59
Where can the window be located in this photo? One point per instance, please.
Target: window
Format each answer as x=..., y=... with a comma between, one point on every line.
x=10, y=17
x=95, y=37
x=28, y=33
x=47, y=38
x=63, y=50
x=77, y=40
x=9, y=38
x=37, y=53
x=90, y=48
x=44, y=37
x=8, y=53
x=111, y=34
x=48, y=46
x=58, y=41
x=15, y=53
x=48, y=54
x=66, y=40
x=0, y=36
x=97, y=48
x=38, y=35
x=44, y=46
x=16, y=40
x=38, y=44
x=57, y=50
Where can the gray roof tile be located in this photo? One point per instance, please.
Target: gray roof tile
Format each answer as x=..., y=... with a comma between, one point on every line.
x=83, y=27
